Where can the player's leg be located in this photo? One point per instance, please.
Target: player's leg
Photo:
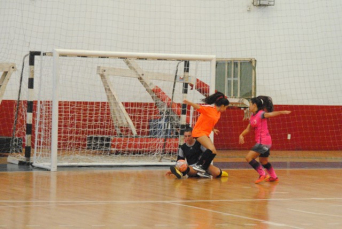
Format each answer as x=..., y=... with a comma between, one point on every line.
x=269, y=168
x=216, y=172
x=207, y=156
x=250, y=158
x=207, y=143
x=192, y=172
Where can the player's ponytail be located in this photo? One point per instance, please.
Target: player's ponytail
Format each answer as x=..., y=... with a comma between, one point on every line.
x=263, y=103
x=218, y=99
x=267, y=103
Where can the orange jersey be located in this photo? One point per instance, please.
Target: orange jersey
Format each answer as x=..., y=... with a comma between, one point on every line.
x=206, y=121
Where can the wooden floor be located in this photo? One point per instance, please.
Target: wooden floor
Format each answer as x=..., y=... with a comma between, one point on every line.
x=145, y=198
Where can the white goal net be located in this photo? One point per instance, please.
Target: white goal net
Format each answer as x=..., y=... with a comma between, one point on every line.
x=106, y=108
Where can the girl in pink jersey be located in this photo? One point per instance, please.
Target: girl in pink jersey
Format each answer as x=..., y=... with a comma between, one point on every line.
x=262, y=108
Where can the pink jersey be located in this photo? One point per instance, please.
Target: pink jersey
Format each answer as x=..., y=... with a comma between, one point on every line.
x=259, y=124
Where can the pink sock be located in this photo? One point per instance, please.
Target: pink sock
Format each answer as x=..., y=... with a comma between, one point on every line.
x=271, y=172
x=261, y=171
x=257, y=166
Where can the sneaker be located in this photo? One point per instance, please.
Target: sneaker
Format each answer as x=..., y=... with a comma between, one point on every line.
x=176, y=172
x=198, y=168
x=261, y=179
x=272, y=179
x=205, y=175
x=224, y=174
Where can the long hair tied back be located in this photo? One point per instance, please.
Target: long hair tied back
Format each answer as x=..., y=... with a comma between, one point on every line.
x=218, y=99
x=263, y=103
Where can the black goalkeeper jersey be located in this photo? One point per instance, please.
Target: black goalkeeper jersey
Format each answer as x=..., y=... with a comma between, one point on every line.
x=191, y=153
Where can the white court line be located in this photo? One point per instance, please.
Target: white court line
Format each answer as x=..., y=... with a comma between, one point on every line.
x=76, y=203
x=157, y=201
x=239, y=216
x=314, y=213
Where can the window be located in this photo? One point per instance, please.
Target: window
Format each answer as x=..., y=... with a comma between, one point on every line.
x=236, y=77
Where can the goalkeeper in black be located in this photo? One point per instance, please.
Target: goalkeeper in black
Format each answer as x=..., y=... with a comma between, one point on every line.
x=191, y=151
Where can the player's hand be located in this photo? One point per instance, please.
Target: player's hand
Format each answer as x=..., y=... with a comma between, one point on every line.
x=241, y=139
x=286, y=112
x=216, y=131
x=168, y=173
x=185, y=101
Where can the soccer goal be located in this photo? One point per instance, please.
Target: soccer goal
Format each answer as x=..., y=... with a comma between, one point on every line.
x=108, y=108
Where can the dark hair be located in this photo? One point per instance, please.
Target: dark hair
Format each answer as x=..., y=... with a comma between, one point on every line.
x=263, y=103
x=218, y=99
x=188, y=129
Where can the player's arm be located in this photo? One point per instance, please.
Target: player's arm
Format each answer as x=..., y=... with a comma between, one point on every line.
x=242, y=135
x=275, y=113
x=181, y=154
x=194, y=105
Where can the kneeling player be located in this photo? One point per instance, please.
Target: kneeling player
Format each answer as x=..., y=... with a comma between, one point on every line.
x=192, y=150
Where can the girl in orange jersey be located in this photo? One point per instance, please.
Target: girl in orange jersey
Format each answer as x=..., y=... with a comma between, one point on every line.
x=209, y=115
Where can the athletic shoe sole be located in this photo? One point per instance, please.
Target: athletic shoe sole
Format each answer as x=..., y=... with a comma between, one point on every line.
x=198, y=169
x=271, y=179
x=261, y=179
x=204, y=175
x=176, y=172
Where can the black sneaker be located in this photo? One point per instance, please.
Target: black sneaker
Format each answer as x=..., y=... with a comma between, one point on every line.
x=198, y=168
x=205, y=175
x=176, y=172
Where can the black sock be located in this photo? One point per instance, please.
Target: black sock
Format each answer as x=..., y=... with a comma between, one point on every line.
x=186, y=171
x=220, y=173
x=204, y=157
x=267, y=166
x=254, y=164
x=208, y=161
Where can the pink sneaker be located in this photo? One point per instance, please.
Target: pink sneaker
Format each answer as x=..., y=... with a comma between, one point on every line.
x=271, y=179
x=261, y=179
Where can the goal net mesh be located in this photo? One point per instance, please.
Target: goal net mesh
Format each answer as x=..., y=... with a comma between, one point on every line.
x=115, y=110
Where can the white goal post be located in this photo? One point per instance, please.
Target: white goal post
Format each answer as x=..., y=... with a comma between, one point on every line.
x=98, y=108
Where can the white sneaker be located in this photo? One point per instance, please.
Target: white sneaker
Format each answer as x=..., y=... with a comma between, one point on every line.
x=198, y=168
x=205, y=175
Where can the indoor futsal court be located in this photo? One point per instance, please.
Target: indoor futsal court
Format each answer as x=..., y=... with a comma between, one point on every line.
x=144, y=197
x=96, y=98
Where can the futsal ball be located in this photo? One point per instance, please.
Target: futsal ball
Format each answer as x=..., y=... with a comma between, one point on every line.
x=181, y=165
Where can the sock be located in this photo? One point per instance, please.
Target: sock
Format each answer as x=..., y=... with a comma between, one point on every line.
x=256, y=165
x=219, y=174
x=208, y=161
x=204, y=157
x=186, y=171
x=270, y=170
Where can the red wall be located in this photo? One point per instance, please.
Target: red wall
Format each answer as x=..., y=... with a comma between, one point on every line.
x=311, y=127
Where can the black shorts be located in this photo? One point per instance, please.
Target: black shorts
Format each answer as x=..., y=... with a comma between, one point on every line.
x=264, y=150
